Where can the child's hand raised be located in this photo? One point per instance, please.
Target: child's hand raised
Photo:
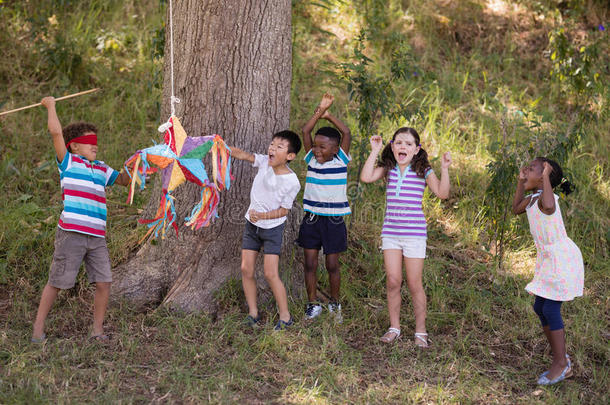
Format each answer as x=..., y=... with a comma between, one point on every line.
x=48, y=102
x=376, y=143
x=547, y=169
x=327, y=101
x=446, y=161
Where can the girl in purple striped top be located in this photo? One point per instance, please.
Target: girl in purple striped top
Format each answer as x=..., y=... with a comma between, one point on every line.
x=405, y=167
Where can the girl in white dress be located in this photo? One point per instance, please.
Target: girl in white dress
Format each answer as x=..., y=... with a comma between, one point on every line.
x=559, y=272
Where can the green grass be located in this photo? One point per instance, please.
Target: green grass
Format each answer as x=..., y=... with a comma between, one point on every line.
x=473, y=61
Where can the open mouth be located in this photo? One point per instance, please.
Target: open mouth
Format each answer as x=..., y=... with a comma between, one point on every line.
x=402, y=155
x=271, y=156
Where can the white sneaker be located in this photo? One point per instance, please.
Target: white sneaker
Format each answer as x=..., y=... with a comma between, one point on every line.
x=335, y=309
x=313, y=310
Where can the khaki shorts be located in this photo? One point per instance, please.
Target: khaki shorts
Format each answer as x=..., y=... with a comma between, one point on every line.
x=71, y=248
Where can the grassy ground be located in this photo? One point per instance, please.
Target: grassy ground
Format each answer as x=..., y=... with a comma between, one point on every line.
x=475, y=61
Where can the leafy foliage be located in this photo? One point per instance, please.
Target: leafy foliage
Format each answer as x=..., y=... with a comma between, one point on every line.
x=578, y=68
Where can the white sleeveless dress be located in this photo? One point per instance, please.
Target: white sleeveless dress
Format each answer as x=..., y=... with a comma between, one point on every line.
x=559, y=273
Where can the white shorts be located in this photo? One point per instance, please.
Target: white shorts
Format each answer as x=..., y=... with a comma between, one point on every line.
x=414, y=248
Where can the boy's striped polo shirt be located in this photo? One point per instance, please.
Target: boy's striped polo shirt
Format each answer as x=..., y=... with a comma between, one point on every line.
x=326, y=185
x=83, y=192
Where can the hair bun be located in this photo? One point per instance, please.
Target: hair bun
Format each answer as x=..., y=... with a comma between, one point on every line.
x=566, y=187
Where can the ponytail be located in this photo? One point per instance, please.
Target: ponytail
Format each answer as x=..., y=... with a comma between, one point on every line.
x=566, y=186
x=387, y=160
x=556, y=177
x=420, y=163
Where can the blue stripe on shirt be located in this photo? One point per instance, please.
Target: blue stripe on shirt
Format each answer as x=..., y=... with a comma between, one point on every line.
x=325, y=182
x=87, y=212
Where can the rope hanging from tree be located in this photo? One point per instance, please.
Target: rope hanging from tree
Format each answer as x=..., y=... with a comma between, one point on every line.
x=180, y=159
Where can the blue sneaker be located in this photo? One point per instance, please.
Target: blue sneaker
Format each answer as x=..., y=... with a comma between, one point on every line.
x=282, y=325
x=252, y=321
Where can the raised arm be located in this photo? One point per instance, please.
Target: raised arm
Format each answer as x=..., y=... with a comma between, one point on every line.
x=546, y=201
x=441, y=187
x=370, y=173
x=326, y=102
x=519, y=201
x=55, y=128
x=241, y=155
x=346, y=135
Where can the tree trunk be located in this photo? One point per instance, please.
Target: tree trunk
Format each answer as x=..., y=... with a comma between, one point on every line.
x=232, y=72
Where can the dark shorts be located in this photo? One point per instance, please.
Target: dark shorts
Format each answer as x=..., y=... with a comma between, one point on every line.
x=71, y=248
x=318, y=231
x=270, y=239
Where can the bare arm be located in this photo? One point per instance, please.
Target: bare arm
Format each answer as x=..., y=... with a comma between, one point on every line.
x=370, y=173
x=123, y=179
x=346, y=135
x=546, y=202
x=441, y=187
x=241, y=155
x=520, y=202
x=277, y=213
x=326, y=102
x=55, y=128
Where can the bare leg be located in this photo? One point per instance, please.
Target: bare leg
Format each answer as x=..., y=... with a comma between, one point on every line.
x=414, y=269
x=49, y=293
x=248, y=261
x=277, y=287
x=392, y=259
x=334, y=275
x=558, y=346
x=311, y=278
x=100, y=304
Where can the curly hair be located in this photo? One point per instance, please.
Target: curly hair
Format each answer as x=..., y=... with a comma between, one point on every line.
x=419, y=163
x=556, y=176
x=76, y=129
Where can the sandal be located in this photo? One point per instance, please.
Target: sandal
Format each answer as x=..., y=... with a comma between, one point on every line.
x=421, y=340
x=99, y=338
x=39, y=340
x=391, y=335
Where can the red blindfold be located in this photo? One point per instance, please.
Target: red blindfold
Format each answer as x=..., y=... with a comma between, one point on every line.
x=89, y=139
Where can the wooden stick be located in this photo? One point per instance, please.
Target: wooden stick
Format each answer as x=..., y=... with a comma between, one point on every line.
x=57, y=99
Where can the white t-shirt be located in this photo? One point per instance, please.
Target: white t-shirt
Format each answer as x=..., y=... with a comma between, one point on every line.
x=271, y=191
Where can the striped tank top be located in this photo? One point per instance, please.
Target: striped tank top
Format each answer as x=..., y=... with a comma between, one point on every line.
x=404, y=216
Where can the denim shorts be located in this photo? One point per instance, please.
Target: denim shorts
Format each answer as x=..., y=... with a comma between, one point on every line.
x=270, y=239
x=71, y=249
x=326, y=232
x=414, y=248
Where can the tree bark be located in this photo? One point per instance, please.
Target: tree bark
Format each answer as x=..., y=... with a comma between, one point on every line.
x=232, y=72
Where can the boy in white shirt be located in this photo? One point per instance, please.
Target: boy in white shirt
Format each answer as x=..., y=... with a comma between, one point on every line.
x=273, y=192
